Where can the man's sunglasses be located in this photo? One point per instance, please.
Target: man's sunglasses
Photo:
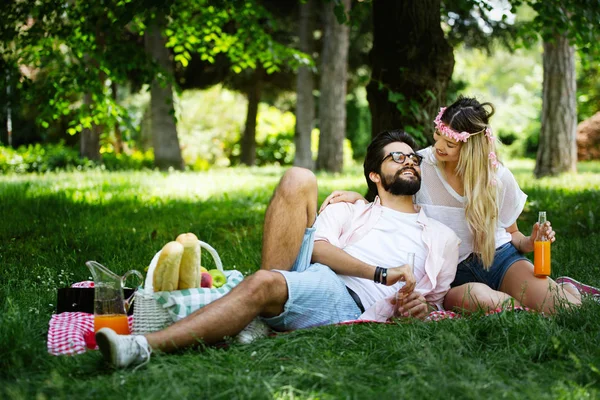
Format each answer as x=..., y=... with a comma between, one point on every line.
x=400, y=157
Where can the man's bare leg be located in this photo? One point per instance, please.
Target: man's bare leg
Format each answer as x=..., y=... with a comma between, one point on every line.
x=292, y=209
x=263, y=293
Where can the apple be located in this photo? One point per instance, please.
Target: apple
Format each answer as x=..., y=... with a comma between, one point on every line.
x=202, y=269
x=219, y=278
x=206, y=281
x=89, y=337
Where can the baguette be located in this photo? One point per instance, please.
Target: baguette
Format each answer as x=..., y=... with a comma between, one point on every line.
x=166, y=274
x=189, y=269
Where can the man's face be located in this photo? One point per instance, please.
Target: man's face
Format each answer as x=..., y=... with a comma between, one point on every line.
x=400, y=178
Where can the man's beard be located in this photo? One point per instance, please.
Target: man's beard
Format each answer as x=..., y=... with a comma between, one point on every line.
x=401, y=186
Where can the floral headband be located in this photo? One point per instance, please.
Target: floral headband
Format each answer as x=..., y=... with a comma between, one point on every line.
x=463, y=136
x=458, y=136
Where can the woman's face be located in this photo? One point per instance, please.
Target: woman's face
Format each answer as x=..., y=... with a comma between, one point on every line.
x=446, y=149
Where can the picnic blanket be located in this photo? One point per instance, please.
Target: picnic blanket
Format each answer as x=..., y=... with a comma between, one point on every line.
x=72, y=333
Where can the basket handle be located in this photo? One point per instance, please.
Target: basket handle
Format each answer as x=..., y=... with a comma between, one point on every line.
x=149, y=285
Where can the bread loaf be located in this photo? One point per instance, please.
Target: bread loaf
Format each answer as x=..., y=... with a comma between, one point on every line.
x=189, y=269
x=166, y=274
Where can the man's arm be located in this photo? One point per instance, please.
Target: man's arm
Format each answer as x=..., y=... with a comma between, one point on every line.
x=343, y=263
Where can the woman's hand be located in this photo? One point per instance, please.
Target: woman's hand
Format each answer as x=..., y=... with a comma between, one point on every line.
x=547, y=230
x=338, y=196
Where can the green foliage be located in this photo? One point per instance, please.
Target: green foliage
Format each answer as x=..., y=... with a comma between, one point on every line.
x=274, y=138
x=239, y=29
x=81, y=48
x=135, y=160
x=38, y=158
x=58, y=157
x=411, y=107
x=517, y=102
x=578, y=19
x=56, y=222
x=588, y=86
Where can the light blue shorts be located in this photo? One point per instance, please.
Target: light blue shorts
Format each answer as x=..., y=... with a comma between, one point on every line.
x=316, y=296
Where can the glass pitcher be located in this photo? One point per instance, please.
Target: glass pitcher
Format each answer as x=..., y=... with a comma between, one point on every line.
x=110, y=306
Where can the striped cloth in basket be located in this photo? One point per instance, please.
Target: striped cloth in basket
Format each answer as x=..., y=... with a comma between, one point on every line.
x=181, y=303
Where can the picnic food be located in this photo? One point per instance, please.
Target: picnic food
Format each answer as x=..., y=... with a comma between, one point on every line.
x=178, y=266
x=219, y=278
x=206, y=280
x=166, y=275
x=189, y=269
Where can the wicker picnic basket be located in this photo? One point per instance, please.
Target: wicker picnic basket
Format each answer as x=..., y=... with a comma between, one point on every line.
x=148, y=314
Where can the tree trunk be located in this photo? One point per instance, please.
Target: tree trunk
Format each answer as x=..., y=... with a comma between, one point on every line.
x=305, y=103
x=412, y=63
x=167, y=152
x=118, y=145
x=557, y=151
x=90, y=137
x=332, y=106
x=89, y=145
x=248, y=156
x=146, y=130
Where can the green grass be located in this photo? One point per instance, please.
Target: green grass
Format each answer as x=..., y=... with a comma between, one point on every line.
x=51, y=224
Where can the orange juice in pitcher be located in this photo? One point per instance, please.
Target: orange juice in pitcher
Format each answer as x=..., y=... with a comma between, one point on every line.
x=541, y=251
x=110, y=304
x=116, y=322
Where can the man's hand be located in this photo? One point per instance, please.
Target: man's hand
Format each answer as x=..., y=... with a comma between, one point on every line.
x=402, y=274
x=411, y=305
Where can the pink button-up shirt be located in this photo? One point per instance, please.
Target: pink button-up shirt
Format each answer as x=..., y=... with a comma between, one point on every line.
x=344, y=224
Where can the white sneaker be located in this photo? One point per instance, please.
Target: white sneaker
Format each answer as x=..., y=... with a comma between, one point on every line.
x=257, y=329
x=123, y=350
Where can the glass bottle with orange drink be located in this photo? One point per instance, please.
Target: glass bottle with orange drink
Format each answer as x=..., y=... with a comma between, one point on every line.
x=541, y=250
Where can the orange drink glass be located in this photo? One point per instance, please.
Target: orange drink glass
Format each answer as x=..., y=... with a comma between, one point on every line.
x=541, y=258
x=541, y=250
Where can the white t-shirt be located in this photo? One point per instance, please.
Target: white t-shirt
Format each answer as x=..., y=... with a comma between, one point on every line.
x=387, y=245
x=441, y=202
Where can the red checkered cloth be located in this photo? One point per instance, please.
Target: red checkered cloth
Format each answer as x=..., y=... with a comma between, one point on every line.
x=84, y=284
x=443, y=314
x=73, y=333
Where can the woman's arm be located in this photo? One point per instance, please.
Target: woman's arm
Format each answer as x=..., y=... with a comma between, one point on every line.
x=338, y=196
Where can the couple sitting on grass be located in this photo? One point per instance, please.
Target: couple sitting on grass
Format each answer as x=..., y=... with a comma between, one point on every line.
x=351, y=261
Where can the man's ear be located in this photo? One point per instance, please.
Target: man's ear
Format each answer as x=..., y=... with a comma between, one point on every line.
x=374, y=176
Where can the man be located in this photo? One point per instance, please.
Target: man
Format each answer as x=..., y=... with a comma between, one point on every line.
x=366, y=244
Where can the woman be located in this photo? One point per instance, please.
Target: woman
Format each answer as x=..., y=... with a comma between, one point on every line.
x=468, y=189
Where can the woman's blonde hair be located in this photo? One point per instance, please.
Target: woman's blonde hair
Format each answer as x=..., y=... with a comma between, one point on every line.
x=477, y=171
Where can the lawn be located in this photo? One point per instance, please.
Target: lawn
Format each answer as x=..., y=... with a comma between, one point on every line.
x=51, y=224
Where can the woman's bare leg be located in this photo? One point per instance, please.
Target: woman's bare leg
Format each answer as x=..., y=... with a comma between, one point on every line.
x=476, y=296
x=542, y=294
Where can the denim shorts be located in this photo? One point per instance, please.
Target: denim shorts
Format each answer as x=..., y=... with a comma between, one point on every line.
x=316, y=296
x=471, y=269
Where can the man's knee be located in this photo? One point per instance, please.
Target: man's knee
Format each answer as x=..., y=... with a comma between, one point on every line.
x=266, y=288
x=296, y=181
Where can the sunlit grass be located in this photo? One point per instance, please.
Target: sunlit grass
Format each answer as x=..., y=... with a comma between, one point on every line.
x=51, y=224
